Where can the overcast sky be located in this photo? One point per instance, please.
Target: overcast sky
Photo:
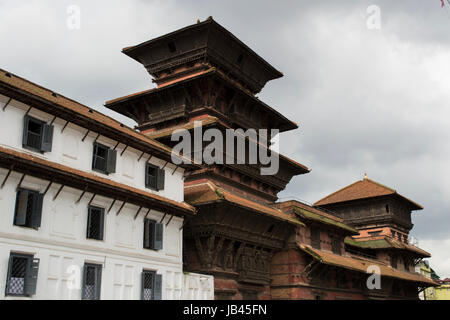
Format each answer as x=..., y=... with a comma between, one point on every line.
x=367, y=100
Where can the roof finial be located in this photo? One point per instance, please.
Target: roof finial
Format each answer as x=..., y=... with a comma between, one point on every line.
x=365, y=176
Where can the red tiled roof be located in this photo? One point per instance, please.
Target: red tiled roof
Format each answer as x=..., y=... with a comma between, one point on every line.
x=208, y=120
x=76, y=177
x=363, y=189
x=207, y=192
x=118, y=104
x=360, y=264
x=385, y=242
x=79, y=114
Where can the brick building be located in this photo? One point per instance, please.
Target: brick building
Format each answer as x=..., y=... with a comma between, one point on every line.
x=255, y=247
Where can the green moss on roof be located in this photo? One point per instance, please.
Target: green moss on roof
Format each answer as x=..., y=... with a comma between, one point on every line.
x=369, y=244
x=317, y=217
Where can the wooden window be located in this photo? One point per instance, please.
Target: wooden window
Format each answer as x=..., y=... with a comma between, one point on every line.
x=315, y=237
x=37, y=135
x=151, y=285
x=153, y=235
x=104, y=159
x=154, y=177
x=375, y=233
x=393, y=261
x=336, y=245
x=28, y=211
x=22, y=275
x=92, y=276
x=95, y=223
x=387, y=208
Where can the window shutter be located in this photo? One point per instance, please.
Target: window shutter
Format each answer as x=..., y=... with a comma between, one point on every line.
x=147, y=176
x=160, y=176
x=10, y=264
x=142, y=284
x=102, y=225
x=158, y=236
x=111, y=161
x=25, y=131
x=158, y=287
x=31, y=276
x=47, y=138
x=21, y=208
x=147, y=225
x=83, y=289
x=88, y=228
x=36, y=215
x=98, y=281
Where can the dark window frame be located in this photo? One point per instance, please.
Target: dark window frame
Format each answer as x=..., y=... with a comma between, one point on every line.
x=101, y=227
x=30, y=216
x=30, y=274
x=315, y=237
x=394, y=261
x=154, y=181
x=156, y=285
x=336, y=246
x=106, y=164
x=44, y=139
x=97, y=281
x=153, y=235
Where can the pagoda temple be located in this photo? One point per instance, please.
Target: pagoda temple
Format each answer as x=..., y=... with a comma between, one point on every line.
x=254, y=246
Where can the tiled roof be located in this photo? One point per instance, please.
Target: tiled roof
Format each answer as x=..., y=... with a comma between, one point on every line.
x=307, y=212
x=208, y=120
x=79, y=114
x=363, y=189
x=311, y=215
x=118, y=104
x=198, y=193
x=385, y=242
x=360, y=264
x=74, y=177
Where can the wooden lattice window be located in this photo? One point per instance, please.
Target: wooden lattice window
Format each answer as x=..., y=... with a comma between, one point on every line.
x=315, y=237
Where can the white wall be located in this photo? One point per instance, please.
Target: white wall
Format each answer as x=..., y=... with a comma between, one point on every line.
x=68, y=149
x=60, y=243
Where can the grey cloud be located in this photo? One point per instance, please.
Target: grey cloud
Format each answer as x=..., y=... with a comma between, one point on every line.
x=366, y=100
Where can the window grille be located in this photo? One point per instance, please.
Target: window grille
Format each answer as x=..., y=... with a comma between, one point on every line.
x=95, y=223
x=91, y=281
x=148, y=278
x=22, y=275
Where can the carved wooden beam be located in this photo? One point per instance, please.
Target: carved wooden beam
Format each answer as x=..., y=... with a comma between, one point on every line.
x=217, y=250
x=200, y=252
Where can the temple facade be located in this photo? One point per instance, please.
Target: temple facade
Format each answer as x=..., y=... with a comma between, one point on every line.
x=254, y=246
x=96, y=210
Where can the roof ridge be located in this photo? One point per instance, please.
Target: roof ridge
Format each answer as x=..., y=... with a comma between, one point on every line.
x=342, y=189
x=380, y=184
